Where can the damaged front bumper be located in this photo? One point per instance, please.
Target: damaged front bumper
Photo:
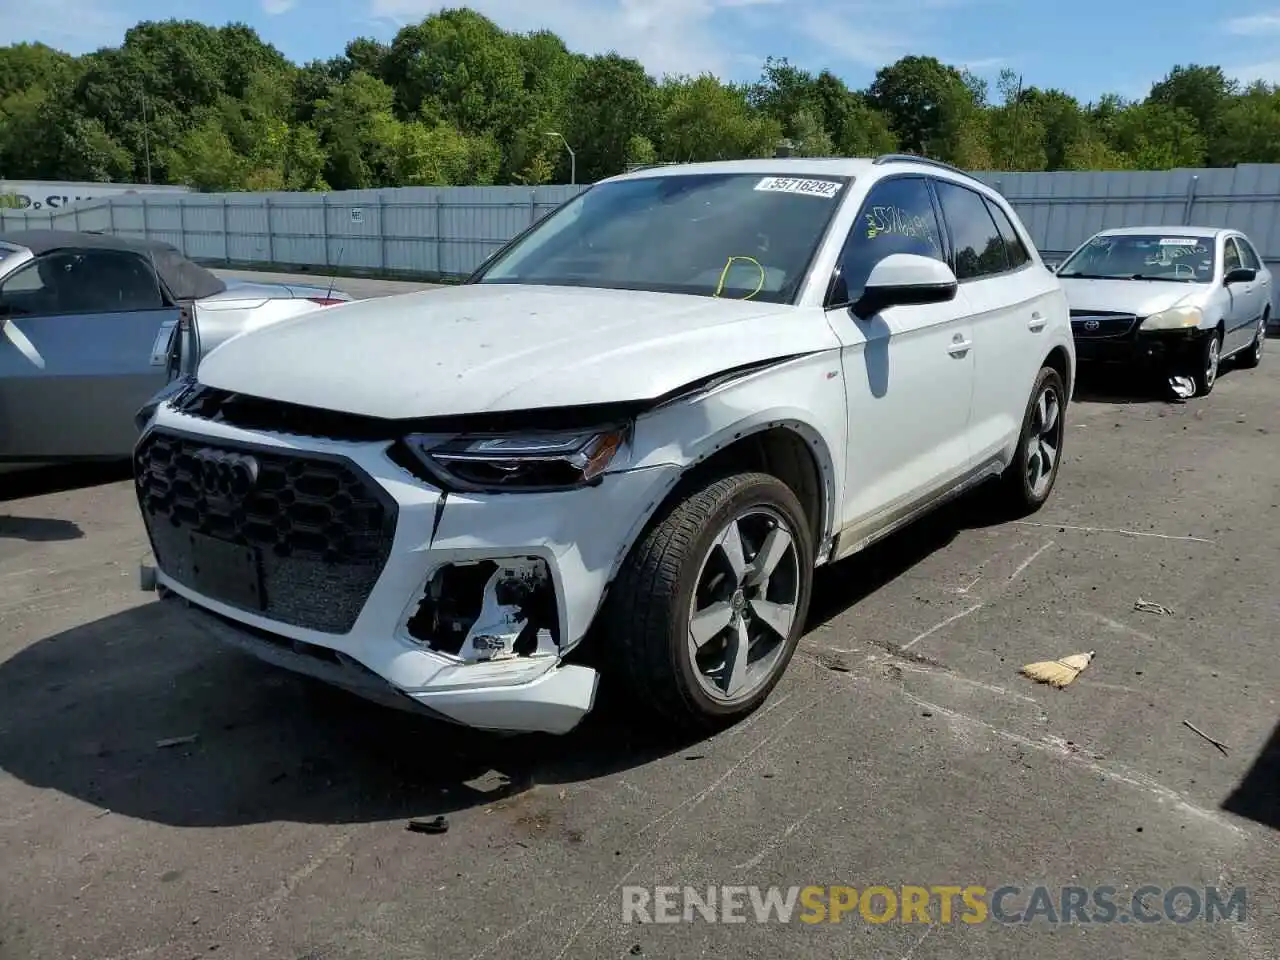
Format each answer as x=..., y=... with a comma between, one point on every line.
x=330, y=559
x=1155, y=351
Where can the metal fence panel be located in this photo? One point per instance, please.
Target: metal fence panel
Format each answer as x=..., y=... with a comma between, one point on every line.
x=449, y=231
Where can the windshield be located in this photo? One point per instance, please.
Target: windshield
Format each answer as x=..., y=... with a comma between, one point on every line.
x=738, y=236
x=1144, y=257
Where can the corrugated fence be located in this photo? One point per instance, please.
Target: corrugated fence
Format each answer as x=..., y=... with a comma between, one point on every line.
x=448, y=231
x=425, y=231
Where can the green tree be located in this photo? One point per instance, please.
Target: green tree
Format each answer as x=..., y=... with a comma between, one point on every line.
x=1157, y=137
x=1205, y=93
x=1249, y=129
x=926, y=103
x=614, y=101
x=703, y=119
x=1015, y=132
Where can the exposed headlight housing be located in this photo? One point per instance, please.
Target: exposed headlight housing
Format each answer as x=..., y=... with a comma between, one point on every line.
x=171, y=393
x=1175, y=318
x=524, y=462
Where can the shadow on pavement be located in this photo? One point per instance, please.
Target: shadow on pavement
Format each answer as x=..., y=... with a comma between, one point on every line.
x=84, y=710
x=1258, y=795
x=38, y=481
x=1100, y=384
x=38, y=529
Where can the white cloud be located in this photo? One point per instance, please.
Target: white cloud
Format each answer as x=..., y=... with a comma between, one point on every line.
x=276, y=7
x=76, y=26
x=719, y=36
x=1267, y=71
x=1254, y=25
x=984, y=64
x=667, y=36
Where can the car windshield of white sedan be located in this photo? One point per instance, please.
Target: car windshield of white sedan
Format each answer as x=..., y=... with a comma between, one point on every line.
x=1144, y=257
x=736, y=236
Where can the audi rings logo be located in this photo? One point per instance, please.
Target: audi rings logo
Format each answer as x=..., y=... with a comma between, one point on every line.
x=225, y=476
x=1091, y=325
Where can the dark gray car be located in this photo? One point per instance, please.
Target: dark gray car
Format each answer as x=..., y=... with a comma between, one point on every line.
x=86, y=322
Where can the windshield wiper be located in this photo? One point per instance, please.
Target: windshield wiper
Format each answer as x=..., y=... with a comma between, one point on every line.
x=1147, y=276
x=1092, y=276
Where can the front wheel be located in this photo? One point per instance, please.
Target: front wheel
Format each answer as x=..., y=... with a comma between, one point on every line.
x=708, y=608
x=1029, y=479
x=1206, y=373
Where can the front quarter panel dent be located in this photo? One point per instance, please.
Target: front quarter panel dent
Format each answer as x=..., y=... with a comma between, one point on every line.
x=802, y=397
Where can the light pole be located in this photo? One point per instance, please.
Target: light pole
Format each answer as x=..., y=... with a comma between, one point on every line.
x=573, y=157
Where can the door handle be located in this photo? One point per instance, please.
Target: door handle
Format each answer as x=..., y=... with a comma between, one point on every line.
x=959, y=345
x=1036, y=323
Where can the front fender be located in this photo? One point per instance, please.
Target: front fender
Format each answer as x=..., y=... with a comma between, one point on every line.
x=805, y=395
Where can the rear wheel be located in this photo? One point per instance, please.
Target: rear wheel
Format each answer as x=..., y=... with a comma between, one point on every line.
x=1253, y=355
x=1029, y=479
x=708, y=608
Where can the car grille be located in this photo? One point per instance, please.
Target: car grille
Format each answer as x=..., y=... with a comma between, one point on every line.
x=1109, y=324
x=318, y=529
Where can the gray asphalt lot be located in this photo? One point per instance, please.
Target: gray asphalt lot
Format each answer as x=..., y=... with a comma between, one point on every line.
x=901, y=748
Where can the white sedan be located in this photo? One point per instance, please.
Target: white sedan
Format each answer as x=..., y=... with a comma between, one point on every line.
x=1179, y=300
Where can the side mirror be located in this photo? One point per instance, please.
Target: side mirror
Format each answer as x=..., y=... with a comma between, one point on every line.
x=1240, y=275
x=905, y=279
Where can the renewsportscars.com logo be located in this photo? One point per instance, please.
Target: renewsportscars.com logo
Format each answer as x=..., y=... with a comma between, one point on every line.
x=940, y=904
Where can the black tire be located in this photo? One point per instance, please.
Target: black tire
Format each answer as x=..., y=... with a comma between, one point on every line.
x=1205, y=375
x=646, y=627
x=1252, y=356
x=1019, y=495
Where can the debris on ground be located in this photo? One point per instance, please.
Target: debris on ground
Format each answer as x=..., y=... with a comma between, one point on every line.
x=1058, y=673
x=1196, y=730
x=429, y=825
x=177, y=741
x=1182, y=387
x=1150, y=606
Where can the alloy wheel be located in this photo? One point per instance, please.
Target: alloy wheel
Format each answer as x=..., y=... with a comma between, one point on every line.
x=1213, y=356
x=1044, y=440
x=745, y=604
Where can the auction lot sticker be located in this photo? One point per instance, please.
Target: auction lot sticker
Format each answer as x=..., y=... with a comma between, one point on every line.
x=827, y=189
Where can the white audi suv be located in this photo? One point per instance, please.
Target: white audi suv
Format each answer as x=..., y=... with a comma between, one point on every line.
x=624, y=444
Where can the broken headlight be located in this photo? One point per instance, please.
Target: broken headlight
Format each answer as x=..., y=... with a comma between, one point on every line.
x=520, y=462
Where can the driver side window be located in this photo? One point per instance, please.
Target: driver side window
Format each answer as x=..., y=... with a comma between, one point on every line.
x=1230, y=256
x=897, y=217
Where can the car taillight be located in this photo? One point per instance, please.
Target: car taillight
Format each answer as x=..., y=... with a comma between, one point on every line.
x=325, y=301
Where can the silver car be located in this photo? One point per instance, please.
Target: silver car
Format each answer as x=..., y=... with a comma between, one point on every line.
x=87, y=335
x=1179, y=300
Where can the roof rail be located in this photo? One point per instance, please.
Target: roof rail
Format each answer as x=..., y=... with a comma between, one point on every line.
x=912, y=158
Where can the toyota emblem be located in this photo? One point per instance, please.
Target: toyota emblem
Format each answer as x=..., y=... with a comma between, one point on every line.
x=1091, y=324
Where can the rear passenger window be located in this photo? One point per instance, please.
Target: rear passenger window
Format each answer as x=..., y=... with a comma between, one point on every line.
x=897, y=217
x=1248, y=255
x=979, y=247
x=1013, y=245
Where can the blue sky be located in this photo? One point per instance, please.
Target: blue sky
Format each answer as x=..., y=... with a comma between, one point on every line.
x=1087, y=47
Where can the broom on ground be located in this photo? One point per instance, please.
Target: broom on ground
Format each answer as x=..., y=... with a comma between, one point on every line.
x=1058, y=673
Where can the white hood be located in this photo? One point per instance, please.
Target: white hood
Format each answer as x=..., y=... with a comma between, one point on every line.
x=491, y=347
x=1139, y=297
